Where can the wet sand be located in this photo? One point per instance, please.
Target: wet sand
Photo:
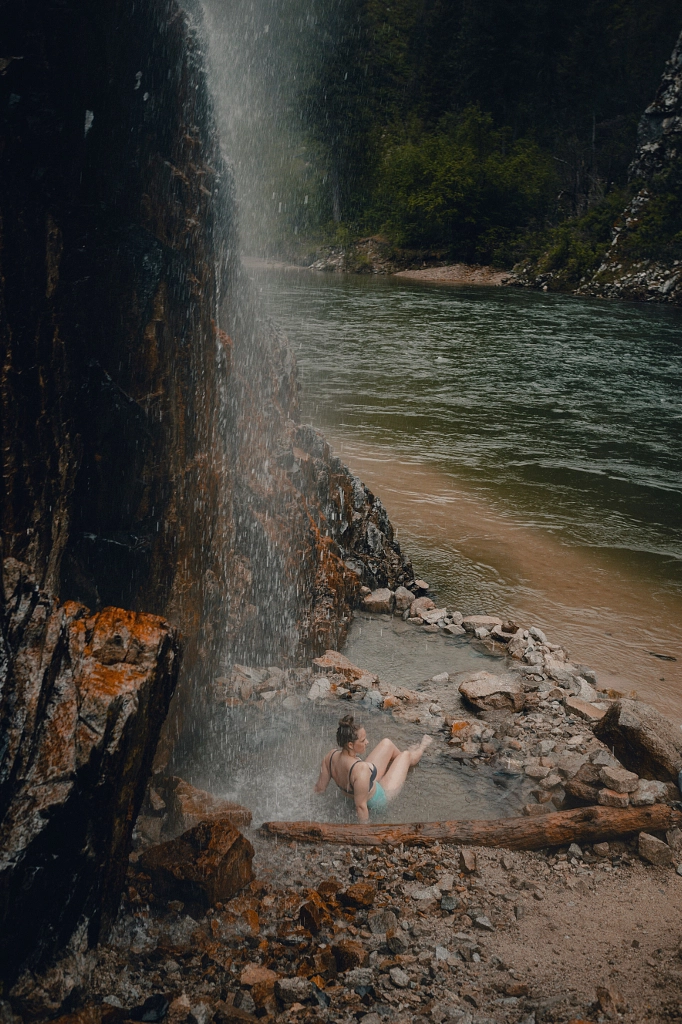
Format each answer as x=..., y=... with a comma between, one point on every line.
x=604, y=610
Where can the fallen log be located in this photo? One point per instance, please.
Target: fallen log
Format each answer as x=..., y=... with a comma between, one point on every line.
x=586, y=824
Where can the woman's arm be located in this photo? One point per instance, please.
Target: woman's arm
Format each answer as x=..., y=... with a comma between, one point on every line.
x=325, y=776
x=361, y=791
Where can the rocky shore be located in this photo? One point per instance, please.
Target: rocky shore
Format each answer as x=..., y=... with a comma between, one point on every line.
x=222, y=925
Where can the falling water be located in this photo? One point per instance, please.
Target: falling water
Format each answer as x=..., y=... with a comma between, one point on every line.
x=266, y=754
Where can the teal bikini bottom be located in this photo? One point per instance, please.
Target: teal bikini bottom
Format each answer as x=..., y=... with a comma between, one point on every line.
x=378, y=802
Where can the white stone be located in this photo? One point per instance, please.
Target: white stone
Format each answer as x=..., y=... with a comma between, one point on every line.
x=399, y=977
x=490, y=692
x=320, y=688
x=473, y=622
x=442, y=677
x=537, y=634
x=648, y=792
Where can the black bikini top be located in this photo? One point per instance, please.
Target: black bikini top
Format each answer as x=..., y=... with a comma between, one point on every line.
x=372, y=776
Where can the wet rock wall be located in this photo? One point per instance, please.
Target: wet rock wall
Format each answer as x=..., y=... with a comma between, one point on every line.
x=82, y=701
x=152, y=454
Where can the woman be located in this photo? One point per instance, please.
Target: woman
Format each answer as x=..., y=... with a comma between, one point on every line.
x=373, y=783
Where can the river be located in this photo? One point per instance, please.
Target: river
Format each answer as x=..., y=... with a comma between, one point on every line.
x=527, y=447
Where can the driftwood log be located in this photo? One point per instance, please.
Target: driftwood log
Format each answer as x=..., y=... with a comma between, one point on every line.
x=586, y=824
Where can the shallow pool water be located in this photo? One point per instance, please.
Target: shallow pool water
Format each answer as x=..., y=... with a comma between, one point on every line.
x=404, y=655
x=269, y=758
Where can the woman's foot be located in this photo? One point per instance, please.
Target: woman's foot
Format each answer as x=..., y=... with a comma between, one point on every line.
x=417, y=751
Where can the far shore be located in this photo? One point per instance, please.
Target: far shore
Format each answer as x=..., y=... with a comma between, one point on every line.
x=459, y=273
x=456, y=273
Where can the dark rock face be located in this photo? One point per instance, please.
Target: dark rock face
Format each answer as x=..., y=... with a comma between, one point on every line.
x=152, y=456
x=659, y=135
x=152, y=453
x=82, y=701
x=659, y=152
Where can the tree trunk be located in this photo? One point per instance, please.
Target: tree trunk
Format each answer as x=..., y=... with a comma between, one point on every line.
x=586, y=824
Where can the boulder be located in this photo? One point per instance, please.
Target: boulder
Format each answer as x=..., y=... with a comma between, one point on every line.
x=498, y=633
x=208, y=864
x=382, y=922
x=403, y=599
x=293, y=990
x=321, y=687
x=619, y=779
x=332, y=661
x=434, y=615
x=421, y=605
x=468, y=862
x=187, y=806
x=348, y=953
x=82, y=701
x=493, y=693
x=655, y=850
x=314, y=914
x=379, y=601
x=227, y=1014
x=397, y=940
x=360, y=896
x=399, y=977
x=582, y=792
x=587, y=691
x=642, y=740
x=610, y=798
x=583, y=709
x=453, y=630
x=473, y=622
x=255, y=974
x=648, y=792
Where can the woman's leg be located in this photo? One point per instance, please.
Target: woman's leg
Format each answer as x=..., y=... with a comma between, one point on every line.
x=382, y=755
x=394, y=779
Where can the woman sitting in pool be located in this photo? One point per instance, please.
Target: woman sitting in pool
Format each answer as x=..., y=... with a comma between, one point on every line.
x=372, y=783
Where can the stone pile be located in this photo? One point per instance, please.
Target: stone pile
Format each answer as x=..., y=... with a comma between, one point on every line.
x=341, y=934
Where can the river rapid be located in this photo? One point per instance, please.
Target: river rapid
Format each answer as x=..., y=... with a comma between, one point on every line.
x=527, y=447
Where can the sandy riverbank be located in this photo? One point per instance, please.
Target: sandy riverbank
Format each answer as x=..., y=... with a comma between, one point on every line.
x=458, y=273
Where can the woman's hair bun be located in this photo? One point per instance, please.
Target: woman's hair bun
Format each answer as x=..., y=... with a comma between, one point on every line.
x=347, y=731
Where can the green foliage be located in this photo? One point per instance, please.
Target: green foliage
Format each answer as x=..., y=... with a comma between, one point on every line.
x=657, y=233
x=465, y=187
x=389, y=106
x=575, y=249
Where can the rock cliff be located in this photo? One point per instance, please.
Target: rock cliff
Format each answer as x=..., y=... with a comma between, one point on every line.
x=153, y=457
x=82, y=701
x=152, y=454
x=644, y=260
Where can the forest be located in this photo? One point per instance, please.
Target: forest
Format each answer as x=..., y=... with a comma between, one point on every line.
x=481, y=131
